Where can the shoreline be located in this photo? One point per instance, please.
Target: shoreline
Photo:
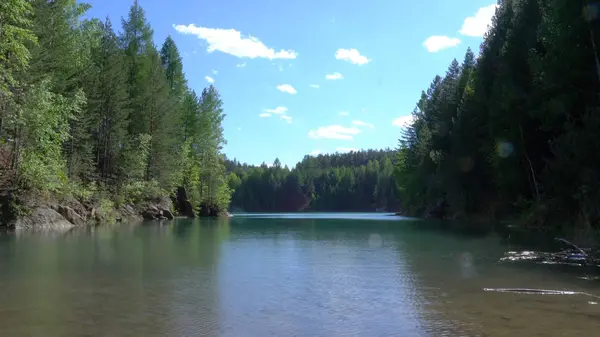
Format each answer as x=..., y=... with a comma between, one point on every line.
x=48, y=213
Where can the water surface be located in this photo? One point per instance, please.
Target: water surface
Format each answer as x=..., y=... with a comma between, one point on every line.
x=344, y=274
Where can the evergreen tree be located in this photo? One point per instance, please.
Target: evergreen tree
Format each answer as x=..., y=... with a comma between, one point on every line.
x=136, y=41
x=519, y=122
x=85, y=111
x=108, y=105
x=16, y=36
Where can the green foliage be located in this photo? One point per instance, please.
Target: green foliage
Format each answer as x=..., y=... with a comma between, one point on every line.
x=45, y=121
x=106, y=210
x=134, y=158
x=173, y=64
x=514, y=133
x=83, y=192
x=139, y=191
x=98, y=116
x=107, y=107
x=15, y=35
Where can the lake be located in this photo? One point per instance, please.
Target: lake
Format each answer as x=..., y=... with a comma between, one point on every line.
x=262, y=275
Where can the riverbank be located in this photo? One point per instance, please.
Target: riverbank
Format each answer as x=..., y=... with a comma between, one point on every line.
x=577, y=229
x=31, y=212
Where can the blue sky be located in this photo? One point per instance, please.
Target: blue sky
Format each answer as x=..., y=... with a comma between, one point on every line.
x=312, y=76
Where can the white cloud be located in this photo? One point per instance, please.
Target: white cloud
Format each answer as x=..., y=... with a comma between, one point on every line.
x=286, y=88
x=343, y=113
x=209, y=79
x=239, y=129
x=403, y=121
x=361, y=123
x=231, y=41
x=315, y=152
x=215, y=72
x=478, y=25
x=280, y=67
x=287, y=118
x=316, y=86
x=334, y=132
x=352, y=56
x=346, y=149
x=266, y=114
x=334, y=76
x=278, y=110
x=241, y=65
x=435, y=43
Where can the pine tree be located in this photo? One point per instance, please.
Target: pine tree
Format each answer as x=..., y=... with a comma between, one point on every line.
x=136, y=41
x=108, y=104
x=59, y=52
x=162, y=122
x=173, y=64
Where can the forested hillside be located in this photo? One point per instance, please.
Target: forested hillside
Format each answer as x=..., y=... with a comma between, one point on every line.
x=90, y=112
x=514, y=130
x=355, y=181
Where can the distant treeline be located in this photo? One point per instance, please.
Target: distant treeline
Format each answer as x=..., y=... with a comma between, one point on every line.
x=355, y=181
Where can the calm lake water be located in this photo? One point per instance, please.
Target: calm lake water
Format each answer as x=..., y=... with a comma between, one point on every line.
x=284, y=275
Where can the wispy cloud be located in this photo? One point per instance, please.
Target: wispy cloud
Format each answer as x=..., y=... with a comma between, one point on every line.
x=334, y=76
x=315, y=86
x=239, y=129
x=315, y=152
x=435, y=43
x=361, y=123
x=232, y=42
x=215, y=72
x=343, y=113
x=241, y=65
x=287, y=118
x=286, y=88
x=346, y=149
x=209, y=79
x=403, y=121
x=334, y=132
x=352, y=56
x=478, y=24
x=265, y=114
x=278, y=110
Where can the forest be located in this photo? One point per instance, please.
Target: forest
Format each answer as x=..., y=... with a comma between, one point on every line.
x=512, y=133
x=92, y=113
x=355, y=181
x=88, y=111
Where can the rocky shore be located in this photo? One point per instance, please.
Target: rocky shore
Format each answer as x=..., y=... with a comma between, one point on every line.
x=36, y=213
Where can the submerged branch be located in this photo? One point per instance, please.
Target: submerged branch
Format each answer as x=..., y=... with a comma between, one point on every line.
x=539, y=291
x=572, y=245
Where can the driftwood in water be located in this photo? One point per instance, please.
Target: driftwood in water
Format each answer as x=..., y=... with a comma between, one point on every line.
x=572, y=256
x=539, y=291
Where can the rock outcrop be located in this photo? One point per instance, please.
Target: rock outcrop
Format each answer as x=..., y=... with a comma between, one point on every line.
x=182, y=204
x=157, y=209
x=42, y=217
x=69, y=213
